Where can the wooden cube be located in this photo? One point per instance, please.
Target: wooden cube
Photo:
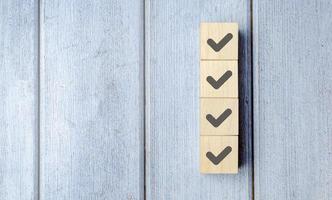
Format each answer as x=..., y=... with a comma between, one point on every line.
x=219, y=41
x=219, y=116
x=219, y=154
x=219, y=79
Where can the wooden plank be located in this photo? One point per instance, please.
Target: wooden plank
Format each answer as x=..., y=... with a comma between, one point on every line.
x=292, y=84
x=92, y=100
x=18, y=99
x=172, y=100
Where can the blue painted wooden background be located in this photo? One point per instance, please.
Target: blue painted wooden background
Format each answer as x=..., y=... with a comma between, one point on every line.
x=99, y=100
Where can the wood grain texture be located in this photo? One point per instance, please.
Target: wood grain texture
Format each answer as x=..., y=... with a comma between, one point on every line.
x=292, y=99
x=18, y=99
x=172, y=100
x=92, y=100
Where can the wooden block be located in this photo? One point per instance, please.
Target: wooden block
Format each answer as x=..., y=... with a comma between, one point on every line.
x=219, y=41
x=219, y=79
x=219, y=116
x=219, y=154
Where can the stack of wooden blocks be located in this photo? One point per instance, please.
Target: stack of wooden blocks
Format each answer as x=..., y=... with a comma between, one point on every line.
x=219, y=110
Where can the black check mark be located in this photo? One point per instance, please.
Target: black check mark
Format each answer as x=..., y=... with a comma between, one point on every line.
x=216, y=122
x=217, y=84
x=217, y=159
x=218, y=46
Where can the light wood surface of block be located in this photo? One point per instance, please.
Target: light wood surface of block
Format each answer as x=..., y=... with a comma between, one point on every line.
x=218, y=108
x=219, y=79
x=219, y=154
x=223, y=36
